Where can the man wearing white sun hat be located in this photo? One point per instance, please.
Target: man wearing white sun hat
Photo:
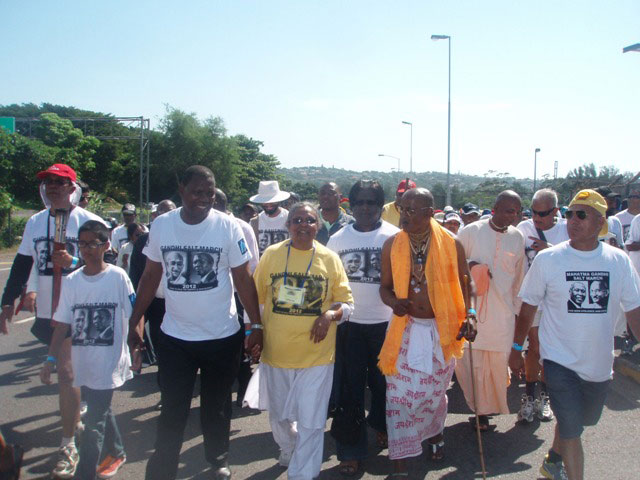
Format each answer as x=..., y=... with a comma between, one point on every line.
x=270, y=225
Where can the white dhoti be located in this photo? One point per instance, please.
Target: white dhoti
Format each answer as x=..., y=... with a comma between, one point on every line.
x=297, y=400
x=416, y=395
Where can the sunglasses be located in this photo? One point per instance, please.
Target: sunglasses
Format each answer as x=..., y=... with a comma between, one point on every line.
x=543, y=213
x=90, y=245
x=56, y=181
x=411, y=211
x=308, y=220
x=370, y=203
x=581, y=214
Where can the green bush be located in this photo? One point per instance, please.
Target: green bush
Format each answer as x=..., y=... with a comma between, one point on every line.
x=12, y=232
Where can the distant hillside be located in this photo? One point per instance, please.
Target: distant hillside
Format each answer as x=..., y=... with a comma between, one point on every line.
x=434, y=181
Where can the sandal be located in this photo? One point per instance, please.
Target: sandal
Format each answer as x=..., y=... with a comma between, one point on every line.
x=348, y=468
x=381, y=440
x=437, y=451
x=483, y=423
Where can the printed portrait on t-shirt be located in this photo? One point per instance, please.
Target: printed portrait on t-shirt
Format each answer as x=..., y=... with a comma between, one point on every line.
x=191, y=268
x=588, y=292
x=625, y=232
x=93, y=324
x=42, y=249
x=530, y=253
x=315, y=291
x=267, y=238
x=42, y=246
x=361, y=264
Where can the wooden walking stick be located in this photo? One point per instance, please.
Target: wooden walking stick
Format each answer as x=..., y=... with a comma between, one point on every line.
x=59, y=243
x=465, y=292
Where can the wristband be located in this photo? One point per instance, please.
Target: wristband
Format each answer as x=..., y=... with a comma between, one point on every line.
x=51, y=359
x=247, y=333
x=472, y=311
x=257, y=326
x=74, y=262
x=516, y=347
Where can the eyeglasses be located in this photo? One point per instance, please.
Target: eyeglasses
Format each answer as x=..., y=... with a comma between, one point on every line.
x=543, y=213
x=411, y=211
x=581, y=214
x=90, y=245
x=308, y=220
x=370, y=203
x=85, y=198
x=56, y=181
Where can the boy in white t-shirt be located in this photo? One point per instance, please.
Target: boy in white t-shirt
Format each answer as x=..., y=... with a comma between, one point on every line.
x=581, y=286
x=94, y=309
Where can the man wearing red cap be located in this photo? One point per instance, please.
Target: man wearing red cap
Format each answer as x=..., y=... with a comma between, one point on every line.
x=59, y=190
x=390, y=211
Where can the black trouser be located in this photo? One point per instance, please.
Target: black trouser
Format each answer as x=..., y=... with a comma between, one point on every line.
x=178, y=364
x=244, y=372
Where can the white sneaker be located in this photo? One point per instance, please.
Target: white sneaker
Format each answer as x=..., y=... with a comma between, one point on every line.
x=285, y=458
x=526, y=409
x=67, y=462
x=543, y=408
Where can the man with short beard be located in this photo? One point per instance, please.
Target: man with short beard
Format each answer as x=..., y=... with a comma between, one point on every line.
x=495, y=250
x=542, y=231
x=332, y=218
x=270, y=225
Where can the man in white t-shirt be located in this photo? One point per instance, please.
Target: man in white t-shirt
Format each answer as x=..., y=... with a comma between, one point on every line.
x=627, y=216
x=119, y=234
x=545, y=229
x=270, y=225
x=200, y=329
x=360, y=339
x=59, y=191
x=576, y=341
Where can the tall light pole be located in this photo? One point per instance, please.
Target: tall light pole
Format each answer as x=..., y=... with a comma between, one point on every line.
x=391, y=156
x=535, y=168
x=410, y=147
x=448, y=38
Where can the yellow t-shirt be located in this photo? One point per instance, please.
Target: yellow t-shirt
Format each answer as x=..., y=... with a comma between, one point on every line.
x=287, y=327
x=391, y=214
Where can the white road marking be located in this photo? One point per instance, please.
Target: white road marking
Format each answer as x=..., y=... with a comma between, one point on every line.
x=4, y=269
x=24, y=320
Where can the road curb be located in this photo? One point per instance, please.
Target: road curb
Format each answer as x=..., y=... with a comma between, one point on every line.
x=627, y=368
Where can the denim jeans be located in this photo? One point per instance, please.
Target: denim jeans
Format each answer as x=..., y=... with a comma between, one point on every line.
x=101, y=434
x=178, y=364
x=363, y=344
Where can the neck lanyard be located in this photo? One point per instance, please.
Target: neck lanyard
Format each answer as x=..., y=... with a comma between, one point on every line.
x=286, y=267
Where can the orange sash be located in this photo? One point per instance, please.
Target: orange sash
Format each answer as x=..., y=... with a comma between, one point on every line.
x=445, y=295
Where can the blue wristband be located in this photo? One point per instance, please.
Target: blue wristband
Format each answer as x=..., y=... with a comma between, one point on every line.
x=472, y=311
x=516, y=347
x=247, y=333
x=74, y=262
x=51, y=359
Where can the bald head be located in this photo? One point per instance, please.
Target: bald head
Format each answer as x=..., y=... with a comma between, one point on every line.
x=507, y=209
x=165, y=206
x=421, y=194
x=220, y=202
x=508, y=195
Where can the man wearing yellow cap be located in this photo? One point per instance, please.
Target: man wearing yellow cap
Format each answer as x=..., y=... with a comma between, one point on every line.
x=576, y=339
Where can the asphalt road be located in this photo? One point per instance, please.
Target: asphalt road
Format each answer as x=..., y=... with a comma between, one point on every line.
x=29, y=416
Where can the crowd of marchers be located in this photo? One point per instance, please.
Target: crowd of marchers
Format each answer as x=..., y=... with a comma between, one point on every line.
x=308, y=305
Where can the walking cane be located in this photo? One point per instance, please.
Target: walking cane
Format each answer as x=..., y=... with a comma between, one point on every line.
x=473, y=384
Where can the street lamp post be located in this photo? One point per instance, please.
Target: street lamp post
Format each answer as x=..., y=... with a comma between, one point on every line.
x=535, y=168
x=448, y=38
x=410, y=147
x=391, y=156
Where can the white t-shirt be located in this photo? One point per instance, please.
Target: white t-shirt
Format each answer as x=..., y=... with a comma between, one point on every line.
x=37, y=242
x=272, y=230
x=634, y=236
x=555, y=235
x=361, y=255
x=581, y=294
x=119, y=237
x=196, y=262
x=124, y=256
x=625, y=219
x=98, y=307
x=252, y=244
x=615, y=228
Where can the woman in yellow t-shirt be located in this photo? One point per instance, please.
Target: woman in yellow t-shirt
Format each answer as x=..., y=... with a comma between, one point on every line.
x=305, y=293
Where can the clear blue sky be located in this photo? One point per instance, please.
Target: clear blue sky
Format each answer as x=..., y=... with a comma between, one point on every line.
x=329, y=82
